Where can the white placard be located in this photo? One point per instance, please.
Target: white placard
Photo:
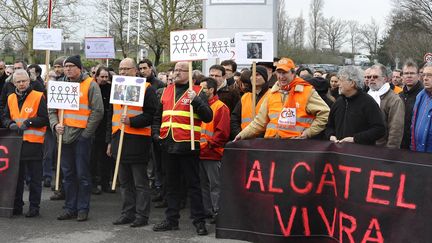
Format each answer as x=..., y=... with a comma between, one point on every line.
x=99, y=47
x=63, y=95
x=220, y=48
x=128, y=90
x=188, y=45
x=47, y=39
x=254, y=46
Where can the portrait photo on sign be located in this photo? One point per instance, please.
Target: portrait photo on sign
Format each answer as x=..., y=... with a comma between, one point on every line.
x=254, y=50
x=119, y=92
x=127, y=90
x=132, y=93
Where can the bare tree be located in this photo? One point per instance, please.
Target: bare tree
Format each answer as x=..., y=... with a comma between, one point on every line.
x=334, y=31
x=19, y=18
x=315, y=21
x=299, y=30
x=422, y=9
x=353, y=35
x=370, y=37
x=285, y=26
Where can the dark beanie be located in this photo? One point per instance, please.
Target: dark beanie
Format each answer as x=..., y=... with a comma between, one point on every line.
x=75, y=60
x=262, y=71
x=59, y=61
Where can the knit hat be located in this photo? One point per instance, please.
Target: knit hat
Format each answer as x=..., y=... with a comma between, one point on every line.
x=285, y=64
x=262, y=71
x=76, y=60
x=59, y=61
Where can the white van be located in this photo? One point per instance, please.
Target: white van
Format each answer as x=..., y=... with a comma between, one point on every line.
x=361, y=59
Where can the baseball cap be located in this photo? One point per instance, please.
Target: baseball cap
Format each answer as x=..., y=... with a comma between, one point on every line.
x=285, y=64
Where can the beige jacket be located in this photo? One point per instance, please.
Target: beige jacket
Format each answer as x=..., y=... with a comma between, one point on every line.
x=315, y=106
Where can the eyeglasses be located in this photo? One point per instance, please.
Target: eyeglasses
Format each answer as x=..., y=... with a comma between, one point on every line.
x=69, y=66
x=125, y=68
x=409, y=73
x=180, y=70
x=372, y=77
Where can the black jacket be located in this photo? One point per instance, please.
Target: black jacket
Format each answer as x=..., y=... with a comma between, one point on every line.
x=201, y=108
x=155, y=82
x=30, y=151
x=100, y=134
x=136, y=148
x=409, y=98
x=358, y=116
x=230, y=96
x=236, y=114
x=3, y=80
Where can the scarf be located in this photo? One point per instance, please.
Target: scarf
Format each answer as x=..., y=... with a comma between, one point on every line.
x=291, y=88
x=376, y=95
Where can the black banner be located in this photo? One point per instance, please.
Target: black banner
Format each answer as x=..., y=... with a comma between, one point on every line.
x=10, y=149
x=318, y=191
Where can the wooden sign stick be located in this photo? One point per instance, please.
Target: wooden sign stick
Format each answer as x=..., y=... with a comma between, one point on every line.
x=119, y=152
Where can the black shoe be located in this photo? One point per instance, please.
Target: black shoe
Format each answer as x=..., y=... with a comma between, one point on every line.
x=17, y=211
x=165, y=226
x=82, y=216
x=201, y=228
x=33, y=212
x=139, y=222
x=67, y=215
x=96, y=190
x=162, y=204
x=123, y=220
x=213, y=219
x=58, y=195
x=47, y=182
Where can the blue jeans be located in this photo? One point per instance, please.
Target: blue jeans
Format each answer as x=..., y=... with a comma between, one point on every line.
x=75, y=164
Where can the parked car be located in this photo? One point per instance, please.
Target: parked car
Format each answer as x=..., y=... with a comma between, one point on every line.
x=361, y=59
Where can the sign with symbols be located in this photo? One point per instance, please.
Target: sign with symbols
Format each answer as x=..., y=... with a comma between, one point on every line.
x=99, y=47
x=254, y=46
x=428, y=57
x=47, y=39
x=219, y=48
x=128, y=90
x=188, y=45
x=63, y=95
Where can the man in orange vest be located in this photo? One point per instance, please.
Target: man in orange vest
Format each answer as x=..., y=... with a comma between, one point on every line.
x=214, y=136
x=78, y=129
x=173, y=118
x=26, y=111
x=134, y=183
x=293, y=109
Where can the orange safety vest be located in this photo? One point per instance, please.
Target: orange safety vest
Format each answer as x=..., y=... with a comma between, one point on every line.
x=175, y=116
x=131, y=112
x=207, y=129
x=79, y=118
x=246, y=112
x=296, y=100
x=28, y=110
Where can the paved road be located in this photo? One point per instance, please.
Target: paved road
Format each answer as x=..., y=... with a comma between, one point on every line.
x=105, y=208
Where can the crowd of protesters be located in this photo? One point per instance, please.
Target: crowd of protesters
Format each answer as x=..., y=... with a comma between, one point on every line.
x=377, y=107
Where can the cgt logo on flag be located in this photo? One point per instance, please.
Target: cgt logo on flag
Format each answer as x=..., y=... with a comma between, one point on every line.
x=4, y=162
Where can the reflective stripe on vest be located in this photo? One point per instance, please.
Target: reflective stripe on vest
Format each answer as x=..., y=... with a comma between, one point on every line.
x=131, y=111
x=79, y=118
x=246, y=111
x=28, y=110
x=176, y=116
x=303, y=120
x=207, y=129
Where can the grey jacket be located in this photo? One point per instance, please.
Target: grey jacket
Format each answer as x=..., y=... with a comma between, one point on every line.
x=394, y=114
x=97, y=110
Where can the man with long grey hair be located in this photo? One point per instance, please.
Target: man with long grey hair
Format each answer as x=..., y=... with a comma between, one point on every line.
x=355, y=117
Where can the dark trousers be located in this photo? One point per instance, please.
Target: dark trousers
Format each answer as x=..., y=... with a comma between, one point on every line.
x=134, y=189
x=75, y=164
x=34, y=171
x=176, y=166
x=102, y=166
x=49, y=154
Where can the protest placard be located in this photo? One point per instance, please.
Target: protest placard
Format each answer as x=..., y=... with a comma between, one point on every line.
x=253, y=47
x=63, y=95
x=47, y=39
x=220, y=48
x=127, y=90
x=99, y=47
x=188, y=45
